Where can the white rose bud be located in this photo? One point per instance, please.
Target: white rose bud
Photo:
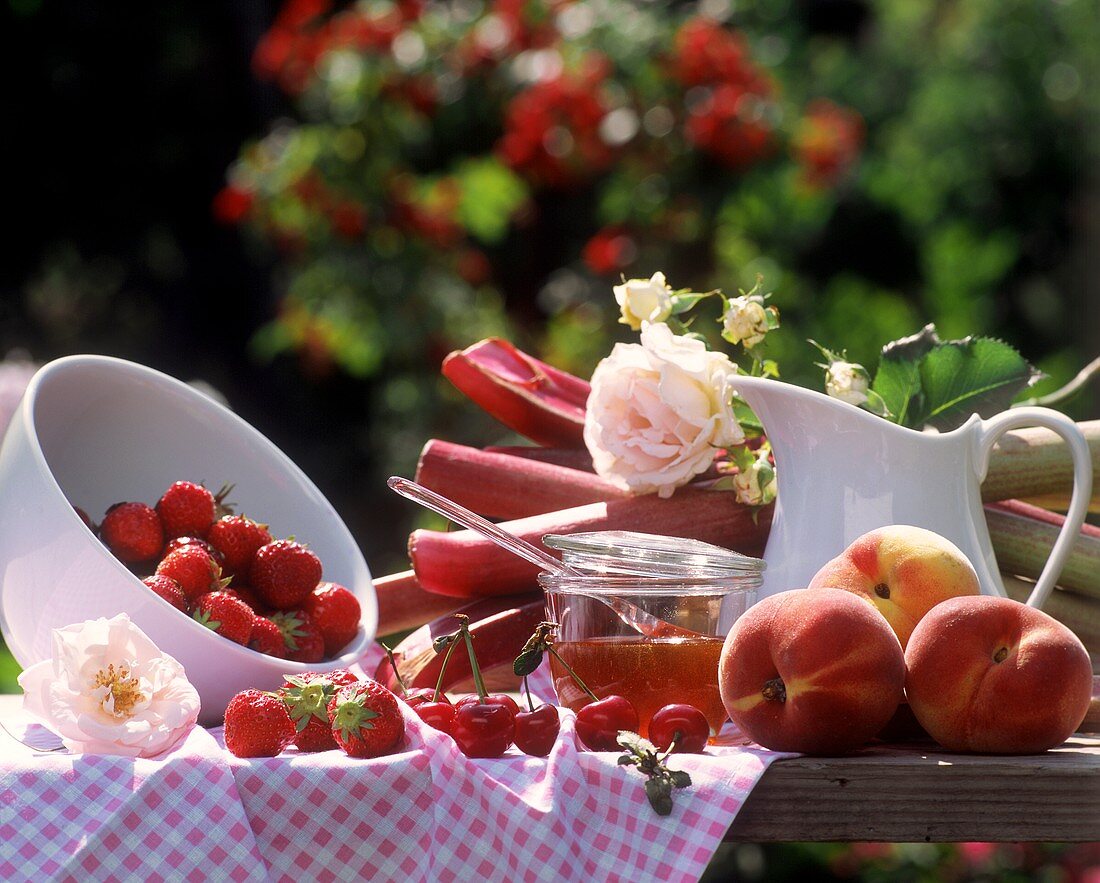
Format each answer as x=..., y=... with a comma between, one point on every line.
x=658, y=410
x=847, y=381
x=745, y=321
x=644, y=300
x=755, y=486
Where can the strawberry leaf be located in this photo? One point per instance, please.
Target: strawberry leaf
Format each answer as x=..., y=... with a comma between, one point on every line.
x=897, y=380
x=976, y=375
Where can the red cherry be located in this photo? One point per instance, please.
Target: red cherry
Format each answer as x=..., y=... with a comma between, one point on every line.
x=683, y=724
x=438, y=715
x=418, y=696
x=599, y=722
x=537, y=731
x=483, y=729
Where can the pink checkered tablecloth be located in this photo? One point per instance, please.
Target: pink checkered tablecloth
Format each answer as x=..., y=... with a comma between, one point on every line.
x=426, y=813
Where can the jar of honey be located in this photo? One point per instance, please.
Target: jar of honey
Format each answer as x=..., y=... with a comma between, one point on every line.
x=644, y=616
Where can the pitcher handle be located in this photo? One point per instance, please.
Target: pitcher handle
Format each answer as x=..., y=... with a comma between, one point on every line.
x=1017, y=418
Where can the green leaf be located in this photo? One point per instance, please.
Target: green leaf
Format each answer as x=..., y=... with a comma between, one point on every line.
x=749, y=422
x=680, y=779
x=976, y=375
x=659, y=793
x=527, y=662
x=681, y=303
x=897, y=380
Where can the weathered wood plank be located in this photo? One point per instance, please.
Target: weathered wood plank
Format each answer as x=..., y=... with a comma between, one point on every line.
x=920, y=793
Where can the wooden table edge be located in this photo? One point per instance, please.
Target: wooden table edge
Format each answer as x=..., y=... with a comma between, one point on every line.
x=917, y=792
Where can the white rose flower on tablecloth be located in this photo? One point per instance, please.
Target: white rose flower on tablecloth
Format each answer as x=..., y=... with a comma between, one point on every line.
x=745, y=321
x=644, y=300
x=658, y=410
x=108, y=689
x=847, y=381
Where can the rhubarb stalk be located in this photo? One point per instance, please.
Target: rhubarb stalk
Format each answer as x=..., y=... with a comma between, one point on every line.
x=1036, y=463
x=1023, y=536
x=535, y=399
x=505, y=486
x=403, y=605
x=465, y=564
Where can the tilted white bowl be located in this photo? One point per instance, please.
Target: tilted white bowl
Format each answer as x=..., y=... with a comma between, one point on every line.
x=92, y=431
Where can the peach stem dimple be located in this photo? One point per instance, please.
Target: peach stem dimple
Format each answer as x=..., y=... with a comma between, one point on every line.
x=1000, y=655
x=774, y=690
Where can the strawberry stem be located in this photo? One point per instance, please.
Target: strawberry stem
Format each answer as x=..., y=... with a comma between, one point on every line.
x=464, y=630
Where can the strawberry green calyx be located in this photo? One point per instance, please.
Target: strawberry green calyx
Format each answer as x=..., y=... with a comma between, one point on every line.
x=290, y=624
x=351, y=717
x=306, y=700
x=202, y=617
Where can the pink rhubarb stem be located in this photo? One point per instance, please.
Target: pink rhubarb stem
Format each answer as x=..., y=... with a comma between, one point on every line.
x=526, y=395
x=571, y=458
x=403, y=605
x=464, y=564
x=504, y=486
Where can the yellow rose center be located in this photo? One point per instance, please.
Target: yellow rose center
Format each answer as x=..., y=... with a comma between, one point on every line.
x=123, y=692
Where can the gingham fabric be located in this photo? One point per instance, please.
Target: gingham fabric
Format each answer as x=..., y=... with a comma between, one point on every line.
x=91, y=817
x=425, y=813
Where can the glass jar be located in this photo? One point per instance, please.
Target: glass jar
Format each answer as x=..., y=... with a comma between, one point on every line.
x=644, y=616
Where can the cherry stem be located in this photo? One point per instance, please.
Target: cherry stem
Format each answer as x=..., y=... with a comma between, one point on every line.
x=443, y=667
x=576, y=677
x=464, y=630
x=396, y=673
x=527, y=690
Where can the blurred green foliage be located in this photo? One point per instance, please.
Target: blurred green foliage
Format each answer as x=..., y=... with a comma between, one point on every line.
x=460, y=170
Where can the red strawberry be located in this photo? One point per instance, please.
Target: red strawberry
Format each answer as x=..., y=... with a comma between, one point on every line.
x=267, y=638
x=336, y=612
x=238, y=538
x=247, y=595
x=180, y=542
x=132, y=531
x=169, y=590
x=303, y=639
x=230, y=617
x=257, y=725
x=366, y=720
x=307, y=697
x=194, y=569
x=187, y=509
x=284, y=573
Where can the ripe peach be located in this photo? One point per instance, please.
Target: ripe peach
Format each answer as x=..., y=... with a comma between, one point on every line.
x=989, y=674
x=811, y=670
x=904, y=571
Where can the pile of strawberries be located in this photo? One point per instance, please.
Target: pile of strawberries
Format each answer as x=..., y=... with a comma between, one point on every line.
x=315, y=712
x=228, y=573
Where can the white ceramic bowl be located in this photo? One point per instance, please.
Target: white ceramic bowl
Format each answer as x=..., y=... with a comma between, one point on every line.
x=92, y=431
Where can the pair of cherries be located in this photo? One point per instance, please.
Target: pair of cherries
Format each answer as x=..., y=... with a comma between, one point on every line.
x=683, y=728
x=485, y=724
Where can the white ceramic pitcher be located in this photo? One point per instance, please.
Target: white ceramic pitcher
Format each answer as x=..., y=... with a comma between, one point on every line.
x=843, y=471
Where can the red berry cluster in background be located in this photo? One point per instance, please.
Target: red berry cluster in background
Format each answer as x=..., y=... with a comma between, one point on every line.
x=315, y=711
x=729, y=96
x=228, y=573
x=552, y=129
x=827, y=142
